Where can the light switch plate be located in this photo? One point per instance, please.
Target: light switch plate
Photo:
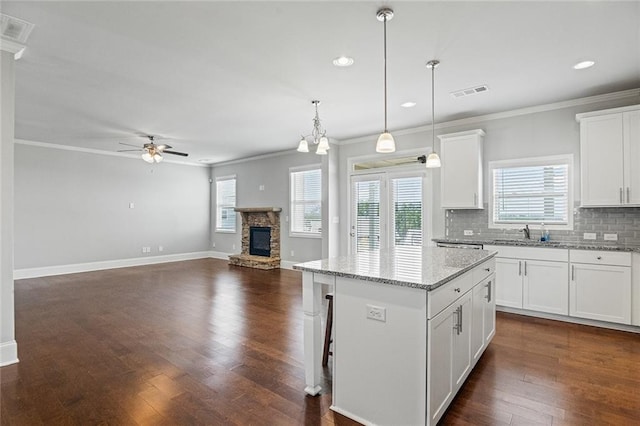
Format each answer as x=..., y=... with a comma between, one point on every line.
x=611, y=237
x=589, y=236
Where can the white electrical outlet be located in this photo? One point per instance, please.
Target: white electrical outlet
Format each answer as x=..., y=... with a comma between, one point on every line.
x=261, y=187
x=144, y=249
x=160, y=248
x=233, y=247
x=131, y=205
x=213, y=244
x=589, y=236
x=468, y=232
x=291, y=253
x=377, y=313
x=611, y=237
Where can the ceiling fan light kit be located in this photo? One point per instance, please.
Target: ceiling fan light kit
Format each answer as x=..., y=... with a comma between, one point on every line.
x=152, y=153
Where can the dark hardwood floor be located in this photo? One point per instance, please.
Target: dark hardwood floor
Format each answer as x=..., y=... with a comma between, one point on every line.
x=200, y=342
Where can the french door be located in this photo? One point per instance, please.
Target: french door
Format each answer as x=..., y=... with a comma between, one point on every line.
x=387, y=210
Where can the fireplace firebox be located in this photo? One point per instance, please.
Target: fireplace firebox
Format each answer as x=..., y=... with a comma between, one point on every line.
x=260, y=241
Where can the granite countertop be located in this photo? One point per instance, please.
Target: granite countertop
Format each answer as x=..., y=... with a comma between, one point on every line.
x=418, y=267
x=576, y=245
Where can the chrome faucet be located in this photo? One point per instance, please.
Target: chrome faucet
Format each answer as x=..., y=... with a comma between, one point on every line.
x=527, y=233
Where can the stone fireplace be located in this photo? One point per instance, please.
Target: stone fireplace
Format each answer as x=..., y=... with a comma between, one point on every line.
x=260, y=238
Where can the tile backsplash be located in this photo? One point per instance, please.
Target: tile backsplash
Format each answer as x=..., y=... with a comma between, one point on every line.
x=623, y=221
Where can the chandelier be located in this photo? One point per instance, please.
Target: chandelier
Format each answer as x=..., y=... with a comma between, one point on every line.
x=318, y=136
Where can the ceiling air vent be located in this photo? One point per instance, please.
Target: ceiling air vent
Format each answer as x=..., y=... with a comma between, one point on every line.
x=14, y=29
x=471, y=91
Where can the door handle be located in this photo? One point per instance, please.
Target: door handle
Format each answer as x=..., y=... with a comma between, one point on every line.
x=488, y=296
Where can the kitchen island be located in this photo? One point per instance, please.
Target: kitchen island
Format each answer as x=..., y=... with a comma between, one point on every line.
x=409, y=325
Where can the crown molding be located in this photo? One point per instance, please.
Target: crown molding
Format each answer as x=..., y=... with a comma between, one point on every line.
x=507, y=114
x=12, y=47
x=98, y=152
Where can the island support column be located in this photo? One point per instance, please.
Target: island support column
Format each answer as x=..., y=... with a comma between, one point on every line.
x=311, y=305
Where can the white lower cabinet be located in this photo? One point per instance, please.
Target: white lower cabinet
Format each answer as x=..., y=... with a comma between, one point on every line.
x=601, y=286
x=532, y=278
x=545, y=287
x=483, y=315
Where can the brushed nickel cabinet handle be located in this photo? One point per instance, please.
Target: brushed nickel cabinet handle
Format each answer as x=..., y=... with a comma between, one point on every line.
x=573, y=272
x=599, y=257
x=460, y=322
x=519, y=268
x=525, y=268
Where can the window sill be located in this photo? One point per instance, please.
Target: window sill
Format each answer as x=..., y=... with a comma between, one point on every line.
x=225, y=231
x=304, y=235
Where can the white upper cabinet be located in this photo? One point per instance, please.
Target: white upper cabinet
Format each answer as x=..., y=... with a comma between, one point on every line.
x=610, y=157
x=461, y=173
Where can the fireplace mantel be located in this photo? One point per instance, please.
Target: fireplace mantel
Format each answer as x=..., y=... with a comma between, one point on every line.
x=272, y=212
x=259, y=216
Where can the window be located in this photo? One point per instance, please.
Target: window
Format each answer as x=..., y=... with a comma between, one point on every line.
x=531, y=191
x=306, y=202
x=225, y=203
x=406, y=193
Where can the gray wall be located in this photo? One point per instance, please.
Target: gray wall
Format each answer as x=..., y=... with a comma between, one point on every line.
x=536, y=134
x=73, y=207
x=273, y=173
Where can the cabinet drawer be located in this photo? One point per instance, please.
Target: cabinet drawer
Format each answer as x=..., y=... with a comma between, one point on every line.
x=445, y=295
x=481, y=272
x=597, y=257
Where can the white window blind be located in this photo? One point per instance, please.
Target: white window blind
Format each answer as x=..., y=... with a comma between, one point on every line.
x=306, y=202
x=530, y=194
x=225, y=203
x=406, y=193
x=367, y=198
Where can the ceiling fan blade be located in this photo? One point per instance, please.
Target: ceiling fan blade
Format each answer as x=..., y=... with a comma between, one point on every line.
x=163, y=147
x=129, y=150
x=183, y=154
x=128, y=144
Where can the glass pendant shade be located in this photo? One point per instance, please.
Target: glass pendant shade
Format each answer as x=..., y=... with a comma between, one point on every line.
x=157, y=158
x=147, y=157
x=324, y=143
x=385, y=143
x=321, y=151
x=303, y=146
x=433, y=161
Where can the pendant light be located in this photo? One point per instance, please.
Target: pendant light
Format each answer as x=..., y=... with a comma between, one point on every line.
x=433, y=160
x=385, y=142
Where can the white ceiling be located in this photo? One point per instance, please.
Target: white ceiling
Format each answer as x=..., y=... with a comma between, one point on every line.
x=227, y=80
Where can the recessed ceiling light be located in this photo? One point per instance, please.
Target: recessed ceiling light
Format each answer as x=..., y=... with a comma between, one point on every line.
x=343, y=61
x=583, y=65
x=408, y=105
x=206, y=160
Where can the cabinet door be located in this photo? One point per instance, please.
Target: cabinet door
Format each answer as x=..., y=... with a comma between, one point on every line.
x=462, y=341
x=601, y=292
x=477, y=320
x=461, y=172
x=601, y=160
x=631, y=124
x=440, y=359
x=546, y=286
x=509, y=282
x=489, y=309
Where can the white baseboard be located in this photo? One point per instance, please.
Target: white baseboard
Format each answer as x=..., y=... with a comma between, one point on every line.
x=8, y=353
x=574, y=320
x=46, y=271
x=219, y=255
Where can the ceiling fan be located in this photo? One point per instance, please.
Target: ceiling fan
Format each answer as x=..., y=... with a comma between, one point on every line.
x=152, y=152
